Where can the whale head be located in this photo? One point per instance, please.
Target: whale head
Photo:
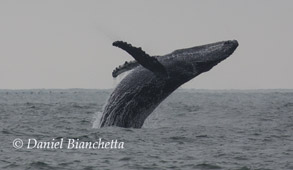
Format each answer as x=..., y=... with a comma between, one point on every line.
x=185, y=64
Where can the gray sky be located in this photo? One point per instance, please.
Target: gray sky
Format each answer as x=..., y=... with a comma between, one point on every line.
x=67, y=43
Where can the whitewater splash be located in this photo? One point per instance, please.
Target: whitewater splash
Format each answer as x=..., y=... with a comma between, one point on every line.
x=97, y=119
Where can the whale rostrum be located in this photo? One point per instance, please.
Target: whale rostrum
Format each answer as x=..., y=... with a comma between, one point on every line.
x=153, y=78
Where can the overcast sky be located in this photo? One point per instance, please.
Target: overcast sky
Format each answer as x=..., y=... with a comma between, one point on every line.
x=68, y=43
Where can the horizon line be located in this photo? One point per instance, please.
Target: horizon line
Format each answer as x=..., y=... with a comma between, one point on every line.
x=231, y=89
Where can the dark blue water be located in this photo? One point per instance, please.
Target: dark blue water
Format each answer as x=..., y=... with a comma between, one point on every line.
x=192, y=129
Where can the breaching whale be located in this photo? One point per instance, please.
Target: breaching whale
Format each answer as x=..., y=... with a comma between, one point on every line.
x=153, y=78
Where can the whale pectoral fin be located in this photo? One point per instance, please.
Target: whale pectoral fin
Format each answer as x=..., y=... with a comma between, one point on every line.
x=148, y=62
x=125, y=67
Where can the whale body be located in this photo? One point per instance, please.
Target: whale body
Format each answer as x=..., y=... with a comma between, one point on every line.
x=153, y=78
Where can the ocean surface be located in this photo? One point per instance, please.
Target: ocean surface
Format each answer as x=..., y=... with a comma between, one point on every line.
x=191, y=129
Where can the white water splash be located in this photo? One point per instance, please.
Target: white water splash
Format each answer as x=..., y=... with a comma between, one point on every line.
x=152, y=120
x=97, y=119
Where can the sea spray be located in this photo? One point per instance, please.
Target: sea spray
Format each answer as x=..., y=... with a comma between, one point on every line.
x=97, y=119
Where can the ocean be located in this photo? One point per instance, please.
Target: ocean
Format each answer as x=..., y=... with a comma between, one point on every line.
x=44, y=129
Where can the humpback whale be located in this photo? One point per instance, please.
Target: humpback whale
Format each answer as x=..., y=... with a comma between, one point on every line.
x=153, y=78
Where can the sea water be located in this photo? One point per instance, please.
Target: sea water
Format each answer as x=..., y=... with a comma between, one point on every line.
x=191, y=129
